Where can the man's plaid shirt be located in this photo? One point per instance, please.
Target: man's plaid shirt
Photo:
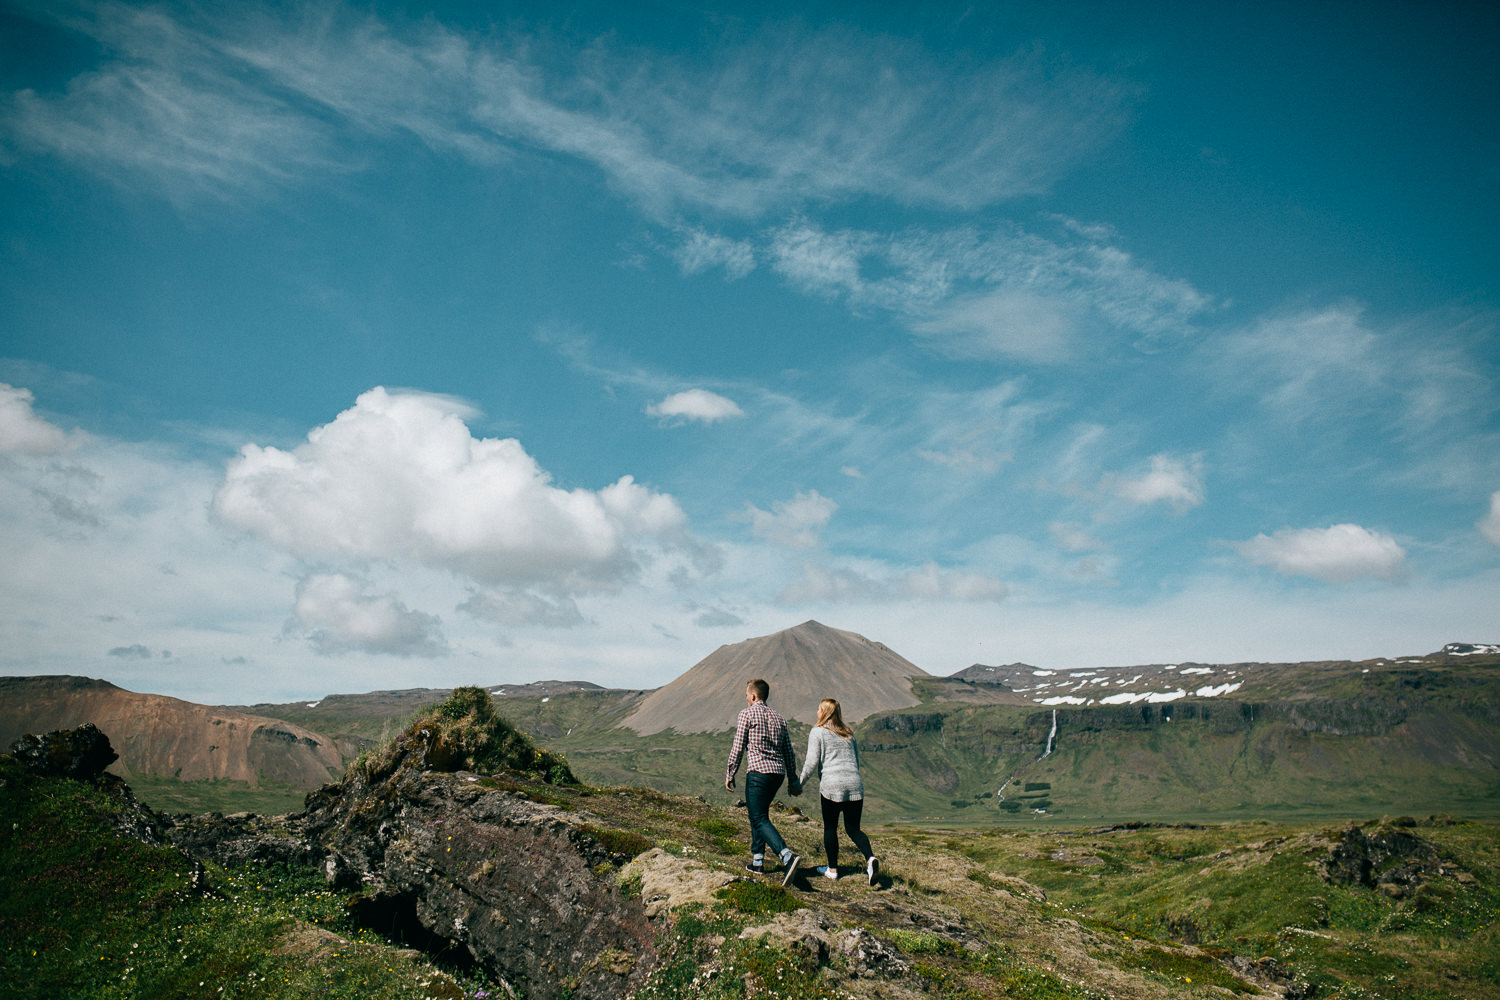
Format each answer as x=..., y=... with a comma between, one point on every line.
x=761, y=735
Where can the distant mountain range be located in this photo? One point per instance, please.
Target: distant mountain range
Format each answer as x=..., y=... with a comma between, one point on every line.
x=1410, y=732
x=165, y=737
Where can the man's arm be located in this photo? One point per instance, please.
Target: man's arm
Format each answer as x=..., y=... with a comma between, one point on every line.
x=789, y=757
x=741, y=736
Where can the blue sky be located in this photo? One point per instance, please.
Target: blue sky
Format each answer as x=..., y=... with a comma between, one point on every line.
x=346, y=348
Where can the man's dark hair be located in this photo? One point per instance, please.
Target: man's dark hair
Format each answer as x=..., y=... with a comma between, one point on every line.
x=762, y=689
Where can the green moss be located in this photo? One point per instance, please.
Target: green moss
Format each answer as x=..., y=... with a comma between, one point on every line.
x=620, y=841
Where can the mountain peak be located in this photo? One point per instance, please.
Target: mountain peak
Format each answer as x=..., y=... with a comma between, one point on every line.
x=803, y=665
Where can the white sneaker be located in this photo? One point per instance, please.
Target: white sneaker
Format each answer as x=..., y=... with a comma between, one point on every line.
x=827, y=872
x=872, y=868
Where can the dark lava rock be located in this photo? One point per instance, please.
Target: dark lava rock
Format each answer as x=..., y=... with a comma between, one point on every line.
x=463, y=866
x=81, y=754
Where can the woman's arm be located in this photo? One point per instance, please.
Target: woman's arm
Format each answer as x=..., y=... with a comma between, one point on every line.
x=814, y=762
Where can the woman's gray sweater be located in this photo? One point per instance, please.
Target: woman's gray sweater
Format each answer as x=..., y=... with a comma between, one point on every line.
x=836, y=762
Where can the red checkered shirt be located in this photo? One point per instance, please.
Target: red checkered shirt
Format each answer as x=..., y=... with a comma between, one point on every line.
x=761, y=735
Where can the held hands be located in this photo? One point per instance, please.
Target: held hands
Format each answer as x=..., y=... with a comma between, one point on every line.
x=795, y=788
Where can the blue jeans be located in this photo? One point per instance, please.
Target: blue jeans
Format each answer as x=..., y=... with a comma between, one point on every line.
x=760, y=789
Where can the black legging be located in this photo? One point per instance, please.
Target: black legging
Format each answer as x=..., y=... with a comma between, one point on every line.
x=852, y=811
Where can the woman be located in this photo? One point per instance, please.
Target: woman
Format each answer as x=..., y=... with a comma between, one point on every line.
x=833, y=755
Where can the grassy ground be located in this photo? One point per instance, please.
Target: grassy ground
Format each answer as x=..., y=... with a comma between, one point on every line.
x=167, y=795
x=1254, y=890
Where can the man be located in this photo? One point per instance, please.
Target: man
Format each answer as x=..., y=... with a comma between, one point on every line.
x=761, y=736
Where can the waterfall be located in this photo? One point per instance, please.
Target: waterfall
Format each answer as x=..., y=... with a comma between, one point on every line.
x=1050, y=737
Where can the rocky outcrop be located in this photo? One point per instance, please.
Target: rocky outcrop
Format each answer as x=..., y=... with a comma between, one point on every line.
x=82, y=754
x=462, y=865
x=1390, y=856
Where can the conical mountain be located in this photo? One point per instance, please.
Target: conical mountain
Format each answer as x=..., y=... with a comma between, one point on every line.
x=803, y=665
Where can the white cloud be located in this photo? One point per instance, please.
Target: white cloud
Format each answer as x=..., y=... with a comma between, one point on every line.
x=400, y=477
x=701, y=250
x=21, y=430
x=1170, y=480
x=1337, y=554
x=794, y=523
x=1489, y=525
x=850, y=583
x=695, y=404
x=338, y=614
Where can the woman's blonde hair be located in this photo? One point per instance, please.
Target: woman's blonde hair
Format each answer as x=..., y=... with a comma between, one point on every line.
x=832, y=719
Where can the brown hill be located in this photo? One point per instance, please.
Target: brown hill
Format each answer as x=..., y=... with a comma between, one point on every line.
x=157, y=736
x=803, y=665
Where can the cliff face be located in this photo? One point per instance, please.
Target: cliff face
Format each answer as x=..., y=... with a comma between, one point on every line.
x=157, y=736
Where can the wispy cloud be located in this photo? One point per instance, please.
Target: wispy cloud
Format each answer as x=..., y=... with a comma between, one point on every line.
x=1489, y=525
x=1006, y=294
x=863, y=582
x=228, y=100
x=794, y=523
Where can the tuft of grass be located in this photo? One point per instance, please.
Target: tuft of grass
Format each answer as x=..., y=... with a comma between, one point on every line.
x=758, y=898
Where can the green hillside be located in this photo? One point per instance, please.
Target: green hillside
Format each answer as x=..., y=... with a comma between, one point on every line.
x=1315, y=740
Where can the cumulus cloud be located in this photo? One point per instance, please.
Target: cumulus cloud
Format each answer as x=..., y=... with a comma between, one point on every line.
x=1489, y=525
x=399, y=476
x=794, y=523
x=695, y=404
x=1337, y=554
x=339, y=614
x=848, y=583
x=1172, y=481
x=22, y=431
